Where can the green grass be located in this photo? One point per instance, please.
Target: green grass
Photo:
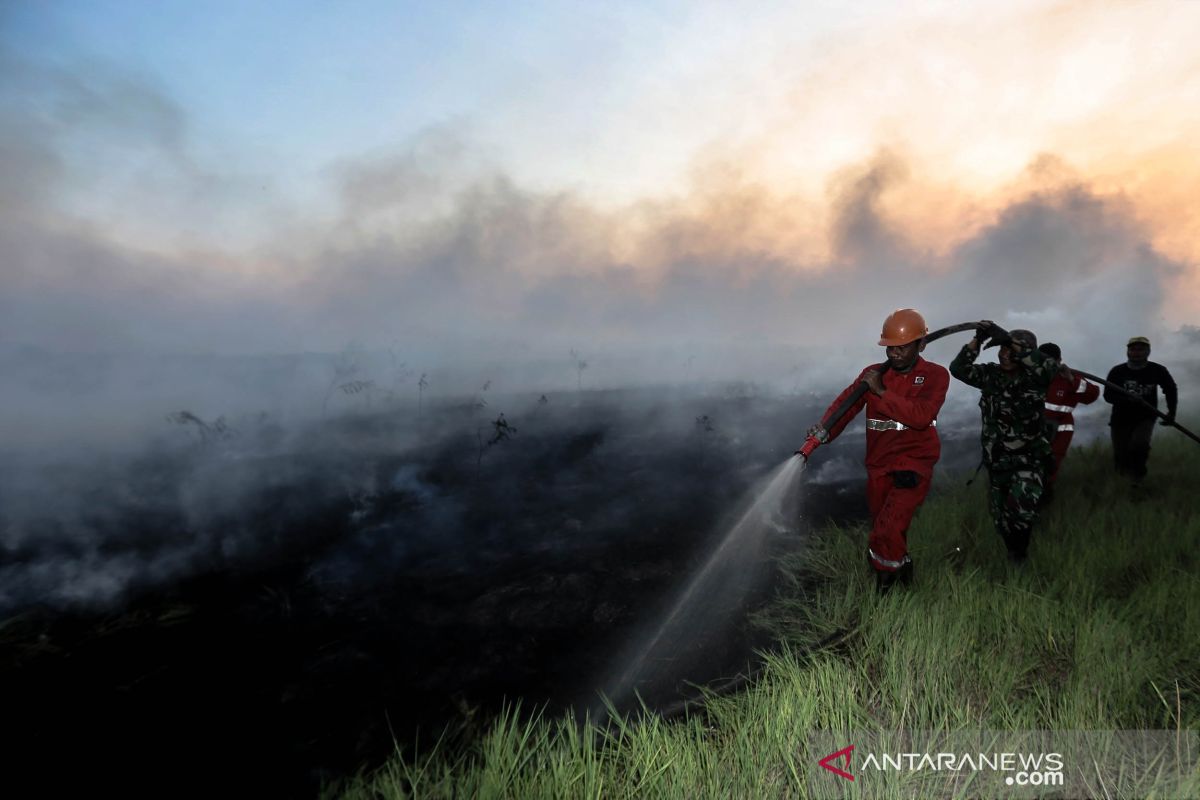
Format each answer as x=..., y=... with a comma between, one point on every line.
x=1100, y=630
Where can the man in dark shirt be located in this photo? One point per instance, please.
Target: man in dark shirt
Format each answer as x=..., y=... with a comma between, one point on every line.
x=1132, y=422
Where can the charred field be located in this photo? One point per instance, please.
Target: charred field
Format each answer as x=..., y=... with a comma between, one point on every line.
x=293, y=605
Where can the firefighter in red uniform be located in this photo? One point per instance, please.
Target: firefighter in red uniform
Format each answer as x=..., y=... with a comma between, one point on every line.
x=902, y=442
x=1066, y=391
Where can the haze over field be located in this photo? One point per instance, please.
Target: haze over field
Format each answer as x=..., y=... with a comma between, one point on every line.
x=216, y=179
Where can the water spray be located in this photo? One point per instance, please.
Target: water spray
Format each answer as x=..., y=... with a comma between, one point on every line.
x=723, y=570
x=715, y=593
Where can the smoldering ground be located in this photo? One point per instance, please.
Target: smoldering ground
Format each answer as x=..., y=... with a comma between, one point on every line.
x=313, y=588
x=335, y=582
x=314, y=593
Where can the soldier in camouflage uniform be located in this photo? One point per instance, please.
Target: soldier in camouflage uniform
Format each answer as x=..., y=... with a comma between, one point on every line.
x=1016, y=441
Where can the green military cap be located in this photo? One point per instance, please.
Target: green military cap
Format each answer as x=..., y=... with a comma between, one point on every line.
x=1138, y=340
x=1026, y=340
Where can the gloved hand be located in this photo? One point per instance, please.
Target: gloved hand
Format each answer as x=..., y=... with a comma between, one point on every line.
x=993, y=333
x=817, y=436
x=874, y=381
x=1167, y=421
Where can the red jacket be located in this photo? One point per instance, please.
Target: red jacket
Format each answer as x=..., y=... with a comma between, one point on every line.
x=1062, y=397
x=901, y=425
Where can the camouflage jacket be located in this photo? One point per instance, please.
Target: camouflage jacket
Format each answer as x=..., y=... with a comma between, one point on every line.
x=1015, y=429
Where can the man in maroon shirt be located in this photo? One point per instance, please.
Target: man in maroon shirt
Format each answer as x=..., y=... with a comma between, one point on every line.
x=1065, y=392
x=902, y=442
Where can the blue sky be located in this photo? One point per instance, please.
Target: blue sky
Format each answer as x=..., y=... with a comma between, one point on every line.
x=556, y=91
x=307, y=82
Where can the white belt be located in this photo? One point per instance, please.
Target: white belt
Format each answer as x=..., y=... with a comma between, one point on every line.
x=1067, y=427
x=891, y=425
x=1062, y=409
x=887, y=563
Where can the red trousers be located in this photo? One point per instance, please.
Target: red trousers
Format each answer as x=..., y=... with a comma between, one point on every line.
x=892, y=507
x=1060, y=444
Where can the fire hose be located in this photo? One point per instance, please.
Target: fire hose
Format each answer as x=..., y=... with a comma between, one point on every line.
x=1000, y=336
x=1166, y=418
x=831, y=419
x=996, y=336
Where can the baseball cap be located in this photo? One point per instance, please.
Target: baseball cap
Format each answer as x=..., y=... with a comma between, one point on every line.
x=1138, y=340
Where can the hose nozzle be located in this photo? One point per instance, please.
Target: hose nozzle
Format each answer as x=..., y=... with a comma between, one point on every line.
x=806, y=449
x=810, y=444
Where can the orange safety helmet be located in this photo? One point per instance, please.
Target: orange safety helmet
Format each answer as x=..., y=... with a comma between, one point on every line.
x=902, y=326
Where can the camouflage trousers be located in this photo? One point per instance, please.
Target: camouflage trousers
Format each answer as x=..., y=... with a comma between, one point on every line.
x=1013, y=495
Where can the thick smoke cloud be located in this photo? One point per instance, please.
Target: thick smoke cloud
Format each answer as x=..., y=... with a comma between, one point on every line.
x=506, y=279
x=534, y=267
x=435, y=242
x=515, y=265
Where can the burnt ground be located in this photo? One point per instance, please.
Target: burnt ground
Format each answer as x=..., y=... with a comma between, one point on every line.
x=277, y=611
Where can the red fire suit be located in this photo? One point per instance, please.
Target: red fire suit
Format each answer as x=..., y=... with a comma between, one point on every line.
x=1061, y=398
x=902, y=447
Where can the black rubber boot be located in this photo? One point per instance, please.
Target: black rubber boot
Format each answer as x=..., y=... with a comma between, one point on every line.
x=1016, y=539
x=884, y=581
x=1046, y=498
